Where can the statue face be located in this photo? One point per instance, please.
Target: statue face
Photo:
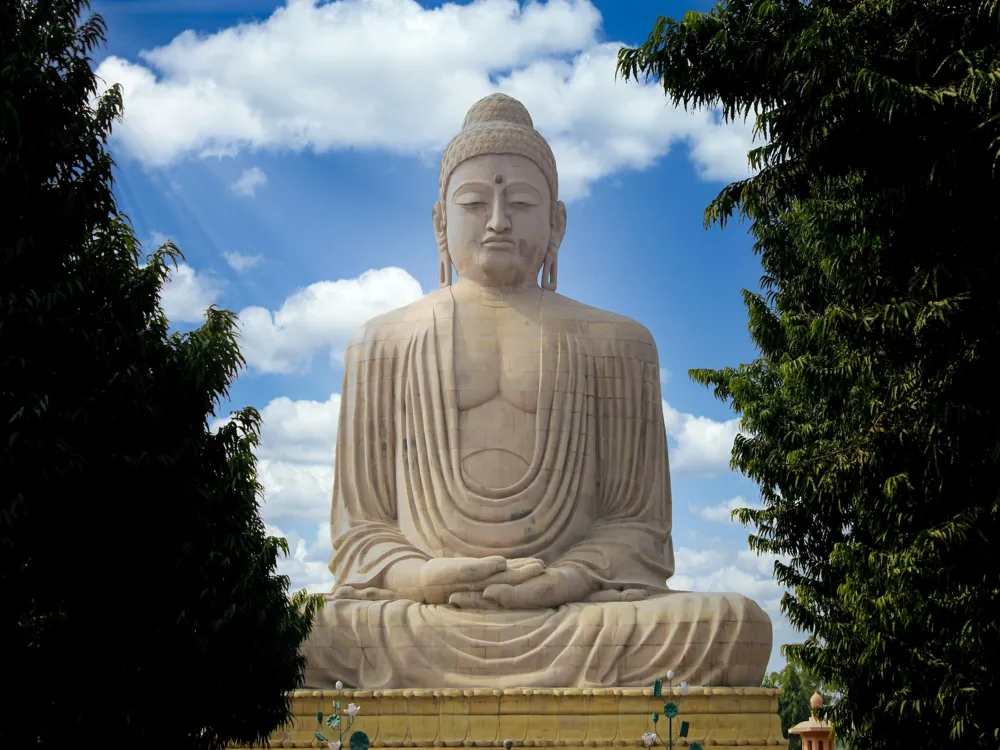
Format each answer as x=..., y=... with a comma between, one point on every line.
x=498, y=220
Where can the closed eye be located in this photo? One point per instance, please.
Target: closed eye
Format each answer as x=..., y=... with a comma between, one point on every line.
x=523, y=200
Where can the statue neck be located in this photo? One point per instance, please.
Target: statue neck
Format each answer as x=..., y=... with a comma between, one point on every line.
x=496, y=296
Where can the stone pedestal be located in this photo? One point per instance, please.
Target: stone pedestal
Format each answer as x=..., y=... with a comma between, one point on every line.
x=566, y=718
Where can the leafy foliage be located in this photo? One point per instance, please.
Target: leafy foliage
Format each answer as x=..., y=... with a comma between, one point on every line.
x=794, y=706
x=870, y=421
x=141, y=607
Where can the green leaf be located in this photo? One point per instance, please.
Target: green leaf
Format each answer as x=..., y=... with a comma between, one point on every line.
x=333, y=721
x=685, y=727
x=320, y=736
x=670, y=710
x=359, y=741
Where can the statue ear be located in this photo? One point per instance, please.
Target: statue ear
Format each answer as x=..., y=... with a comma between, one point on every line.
x=441, y=235
x=558, y=227
x=437, y=214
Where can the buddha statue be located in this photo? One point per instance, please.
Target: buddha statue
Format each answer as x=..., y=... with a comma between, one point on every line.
x=501, y=509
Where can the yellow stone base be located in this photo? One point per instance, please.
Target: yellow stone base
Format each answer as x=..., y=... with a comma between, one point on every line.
x=567, y=718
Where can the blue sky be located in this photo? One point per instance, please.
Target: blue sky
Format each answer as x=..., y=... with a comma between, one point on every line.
x=291, y=151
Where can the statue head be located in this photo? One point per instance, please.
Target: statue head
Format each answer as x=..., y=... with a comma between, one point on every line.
x=498, y=218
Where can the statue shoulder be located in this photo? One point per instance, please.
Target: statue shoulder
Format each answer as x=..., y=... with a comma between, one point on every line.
x=401, y=322
x=607, y=330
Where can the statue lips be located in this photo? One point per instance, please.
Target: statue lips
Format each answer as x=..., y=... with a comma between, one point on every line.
x=498, y=241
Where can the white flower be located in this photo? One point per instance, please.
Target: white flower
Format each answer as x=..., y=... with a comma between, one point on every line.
x=648, y=739
x=352, y=710
x=684, y=687
x=670, y=674
x=339, y=685
x=335, y=745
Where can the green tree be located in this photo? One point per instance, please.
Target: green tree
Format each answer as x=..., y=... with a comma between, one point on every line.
x=794, y=705
x=140, y=603
x=869, y=418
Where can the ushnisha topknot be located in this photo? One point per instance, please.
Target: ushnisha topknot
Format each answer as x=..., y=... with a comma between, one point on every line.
x=499, y=124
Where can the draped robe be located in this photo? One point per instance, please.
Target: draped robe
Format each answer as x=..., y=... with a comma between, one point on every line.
x=595, y=496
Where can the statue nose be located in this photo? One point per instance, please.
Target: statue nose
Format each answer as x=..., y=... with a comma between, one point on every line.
x=499, y=220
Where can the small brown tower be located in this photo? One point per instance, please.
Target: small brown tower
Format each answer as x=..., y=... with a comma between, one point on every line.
x=816, y=733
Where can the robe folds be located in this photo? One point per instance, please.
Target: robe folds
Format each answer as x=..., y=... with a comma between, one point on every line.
x=595, y=497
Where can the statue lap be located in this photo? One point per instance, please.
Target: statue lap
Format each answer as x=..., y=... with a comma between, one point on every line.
x=706, y=639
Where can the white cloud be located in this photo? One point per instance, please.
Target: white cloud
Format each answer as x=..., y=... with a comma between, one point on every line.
x=296, y=468
x=321, y=316
x=723, y=156
x=188, y=293
x=306, y=565
x=296, y=457
x=762, y=589
x=248, y=182
x=302, y=431
x=691, y=562
x=240, y=263
x=391, y=75
x=721, y=512
x=664, y=375
x=701, y=444
x=762, y=564
x=295, y=490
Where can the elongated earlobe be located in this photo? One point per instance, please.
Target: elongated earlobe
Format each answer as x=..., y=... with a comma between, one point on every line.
x=550, y=271
x=444, y=269
x=550, y=267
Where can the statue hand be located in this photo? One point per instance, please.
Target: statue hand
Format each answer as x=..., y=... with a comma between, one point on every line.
x=554, y=587
x=519, y=570
x=435, y=581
